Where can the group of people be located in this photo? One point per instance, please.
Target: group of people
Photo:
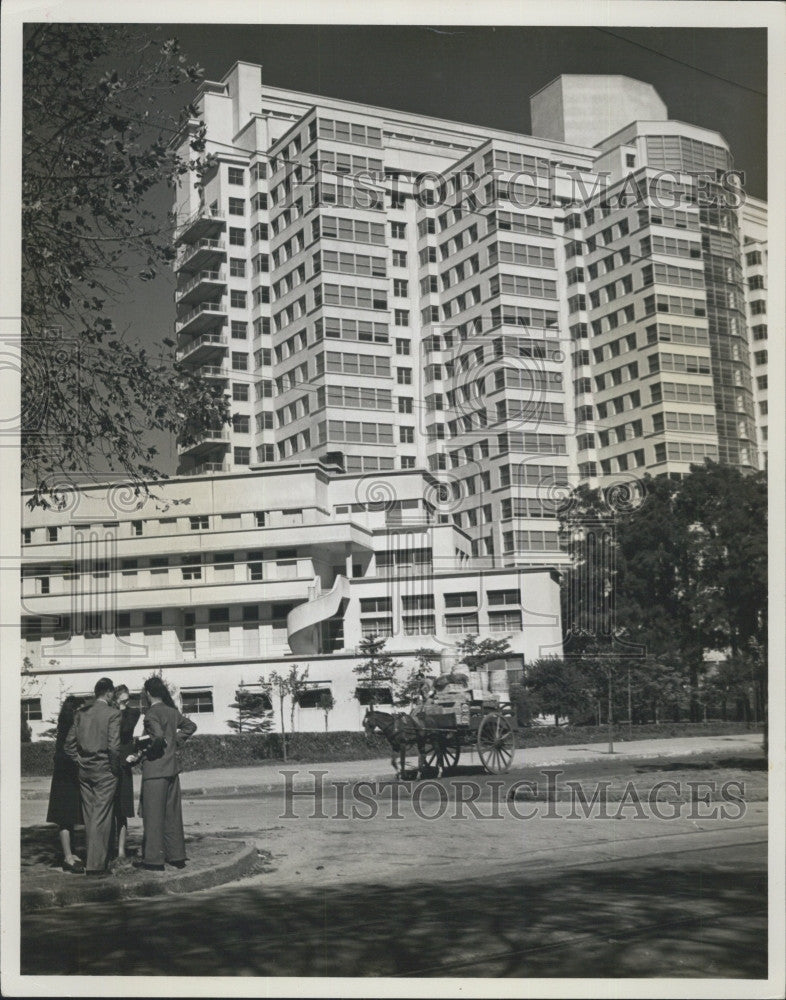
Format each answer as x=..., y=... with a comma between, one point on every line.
x=92, y=780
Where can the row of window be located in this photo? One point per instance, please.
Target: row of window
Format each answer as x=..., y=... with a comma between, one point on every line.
x=456, y=624
x=517, y=284
x=365, y=331
x=685, y=451
x=353, y=431
x=620, y=434
x=701, y=423
x=193, y=702
x=353, y=364
x=617, y=376
x=341, y=131
x=691, y=363
x=355, y=397
x=670, y=246
x=351, y=263
x=199, y=522
x=678, y=334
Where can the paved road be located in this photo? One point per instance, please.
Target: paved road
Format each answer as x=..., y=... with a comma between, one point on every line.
x=491, y=894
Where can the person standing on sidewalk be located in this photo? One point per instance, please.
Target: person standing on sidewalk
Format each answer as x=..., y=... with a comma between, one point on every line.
x=65, y=806
x=93, y=742
x=160, y=804
x=124, y=795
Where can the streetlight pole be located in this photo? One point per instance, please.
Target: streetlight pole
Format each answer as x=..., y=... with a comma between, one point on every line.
x=630, y=709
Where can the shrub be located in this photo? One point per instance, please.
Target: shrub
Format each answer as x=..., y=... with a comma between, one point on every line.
x=205, y=750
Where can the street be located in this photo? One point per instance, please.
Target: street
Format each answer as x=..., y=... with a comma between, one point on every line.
x=478, y=891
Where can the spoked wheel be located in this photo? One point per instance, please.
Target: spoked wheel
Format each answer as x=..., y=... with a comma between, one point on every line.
x=442, y=752
x=496, y=743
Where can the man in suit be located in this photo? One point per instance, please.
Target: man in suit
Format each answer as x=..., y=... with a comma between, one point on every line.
x=94, y=743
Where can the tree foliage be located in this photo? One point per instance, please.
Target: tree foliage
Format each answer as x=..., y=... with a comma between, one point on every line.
x=254, y=711
x=378, y=668
x=475, y=653
x=558, y=687
x=95, y=146
x=326, y=704
x=683, y=572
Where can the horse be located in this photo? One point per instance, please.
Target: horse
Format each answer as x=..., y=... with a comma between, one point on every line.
x=401, y=731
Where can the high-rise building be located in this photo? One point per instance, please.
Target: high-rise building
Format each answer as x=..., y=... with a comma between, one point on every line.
x=429, y=332
x=513, y=311
x=754, y=265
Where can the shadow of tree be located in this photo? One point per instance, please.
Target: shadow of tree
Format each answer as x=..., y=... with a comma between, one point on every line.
x=727, y=763
x=689, y=919
x=40, y=846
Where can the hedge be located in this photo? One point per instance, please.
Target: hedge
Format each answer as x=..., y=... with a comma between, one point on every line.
x=247, y=749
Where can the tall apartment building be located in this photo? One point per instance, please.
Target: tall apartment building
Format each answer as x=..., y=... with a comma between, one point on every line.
x=754, y=263
x=428, y=332
x=513, y=311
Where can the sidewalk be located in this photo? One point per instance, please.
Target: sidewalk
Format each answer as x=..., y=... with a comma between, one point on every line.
x=265, y=778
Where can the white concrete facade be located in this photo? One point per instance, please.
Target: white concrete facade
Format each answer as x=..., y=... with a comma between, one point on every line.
x=218, y=581
x=754, y=262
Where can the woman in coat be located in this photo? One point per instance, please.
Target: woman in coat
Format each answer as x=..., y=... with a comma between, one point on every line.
x=65, y=805
x=159, y=804
x=124, y=796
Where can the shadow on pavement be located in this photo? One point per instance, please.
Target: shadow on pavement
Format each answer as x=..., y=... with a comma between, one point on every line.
x=727, y=763
x=694, y=919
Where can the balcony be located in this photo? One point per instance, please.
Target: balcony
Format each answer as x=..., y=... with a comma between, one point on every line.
x=210, y=346
x=203, y=317
x=204, y=222
x=209, y=440
x=213, y=371
x=202, y=286
x=201, y=254
x=207, y=468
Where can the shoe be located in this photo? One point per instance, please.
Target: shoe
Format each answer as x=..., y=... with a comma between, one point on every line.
x=177, y=864
x=143, y=866
x=75, y=868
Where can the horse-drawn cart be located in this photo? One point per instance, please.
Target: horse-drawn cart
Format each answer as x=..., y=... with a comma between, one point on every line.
x=451, y=721
x=486, y=728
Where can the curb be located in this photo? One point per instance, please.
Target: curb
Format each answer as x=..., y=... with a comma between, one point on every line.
x=242, y=863
x=306, y=784
x=248, y=791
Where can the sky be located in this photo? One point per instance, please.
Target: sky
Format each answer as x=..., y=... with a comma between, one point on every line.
x=713, y=77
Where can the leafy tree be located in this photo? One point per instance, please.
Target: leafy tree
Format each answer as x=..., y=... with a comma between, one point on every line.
x=475, y=653
x=327, y=703
x=558, y=687
x=278, y=684
x=285, y=686
x=95, y=146
x=732, y=683
x=683, y=572
x=296, y=684
x=523, y=704
x=378, y=668
x=254, y=711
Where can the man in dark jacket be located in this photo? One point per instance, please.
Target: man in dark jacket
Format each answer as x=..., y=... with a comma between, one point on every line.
x=94, y=743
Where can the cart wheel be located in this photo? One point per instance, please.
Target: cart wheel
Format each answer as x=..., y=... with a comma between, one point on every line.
x=496, y=743
x=442, y=752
